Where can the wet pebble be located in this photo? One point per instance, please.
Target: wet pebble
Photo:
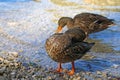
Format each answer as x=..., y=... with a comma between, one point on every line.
x=13, y=74
x=6, y=62
x=104, y=74
x=83, y=79
x=99, y=72
x=98, y=79
x=115, y=66
x=1, y=59
x=78, y=78
x=49, y=77
x=2, y=78
x=2, y=69
x=15, y=54
x=88, y=73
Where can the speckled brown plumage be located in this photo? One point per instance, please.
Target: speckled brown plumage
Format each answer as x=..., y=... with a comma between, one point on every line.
x=67, y=47
x=61, y=49
x=88, y=22
x=76, y=34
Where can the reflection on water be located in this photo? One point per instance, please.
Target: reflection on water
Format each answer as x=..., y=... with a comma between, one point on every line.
x=109, y=5
x=64, y=3
x=88, y=4
x=104, y=2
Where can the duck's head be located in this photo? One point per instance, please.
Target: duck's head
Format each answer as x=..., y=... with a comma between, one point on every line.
x=63, y=21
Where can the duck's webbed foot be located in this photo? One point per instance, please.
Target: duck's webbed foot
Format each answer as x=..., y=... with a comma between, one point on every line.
x=59, y=69
x=73, y=70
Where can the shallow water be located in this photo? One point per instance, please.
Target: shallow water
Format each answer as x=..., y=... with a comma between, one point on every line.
x=25, y=25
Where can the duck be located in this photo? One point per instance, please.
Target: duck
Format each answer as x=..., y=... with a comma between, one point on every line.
x=67, y=47
x=88, y=22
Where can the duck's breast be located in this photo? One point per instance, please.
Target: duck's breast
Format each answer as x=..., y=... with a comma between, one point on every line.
x=55, y=44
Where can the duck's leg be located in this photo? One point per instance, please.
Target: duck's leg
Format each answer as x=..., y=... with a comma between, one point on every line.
x=86, y=36
x=72, y=70
x=59, y=69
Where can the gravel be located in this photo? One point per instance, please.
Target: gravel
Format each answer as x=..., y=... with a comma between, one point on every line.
x=12, y=69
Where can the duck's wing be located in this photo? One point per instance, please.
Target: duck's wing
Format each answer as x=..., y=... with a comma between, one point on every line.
x=77, y=50
x=76, y=34
x=88, y=18
x=99, y=23
x=93, y=22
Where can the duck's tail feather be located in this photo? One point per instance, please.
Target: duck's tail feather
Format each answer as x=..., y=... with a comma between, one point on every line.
x=91, y=45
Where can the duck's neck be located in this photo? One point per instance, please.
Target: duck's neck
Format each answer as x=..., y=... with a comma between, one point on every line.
x=70, y=23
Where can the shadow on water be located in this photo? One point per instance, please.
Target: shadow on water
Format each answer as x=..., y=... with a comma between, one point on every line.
x=107, y=40
x=100, y=47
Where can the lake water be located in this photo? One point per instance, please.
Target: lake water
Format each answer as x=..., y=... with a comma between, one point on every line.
x=26, y=24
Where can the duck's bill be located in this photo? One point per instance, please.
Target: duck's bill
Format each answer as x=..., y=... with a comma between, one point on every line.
x=59, y=29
